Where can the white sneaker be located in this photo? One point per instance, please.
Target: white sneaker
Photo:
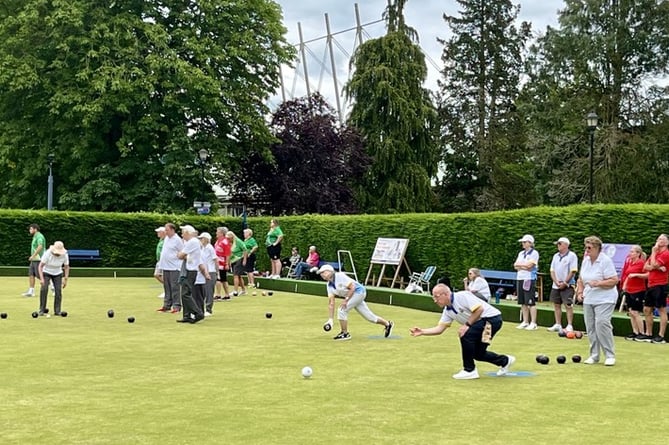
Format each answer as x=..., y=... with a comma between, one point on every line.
x=162, y=295
x=313, y=270
x=466, y=375
x=505, y=369
x=610, y=361
x=207, y=314
x=523, y=325
x=555, y=328
x=592, y=361
x=27, y=294
x=531, y=327
x=569, y=328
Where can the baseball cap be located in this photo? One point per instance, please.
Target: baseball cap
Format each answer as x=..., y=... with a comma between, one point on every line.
x=325, y=268
x=160, y=229
x=205, y=235
x=188, y=228
x=562, y=240
x=528, y=238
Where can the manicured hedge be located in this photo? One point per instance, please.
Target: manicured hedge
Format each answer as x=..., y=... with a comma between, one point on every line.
x=452, y=242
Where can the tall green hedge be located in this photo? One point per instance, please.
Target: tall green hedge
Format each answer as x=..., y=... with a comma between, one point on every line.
x=452, y=242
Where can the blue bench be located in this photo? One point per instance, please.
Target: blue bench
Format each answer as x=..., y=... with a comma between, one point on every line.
x=83, y=254
x=500, y=278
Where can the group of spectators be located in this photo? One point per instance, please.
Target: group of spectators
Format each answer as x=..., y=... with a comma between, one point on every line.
x=194, y=272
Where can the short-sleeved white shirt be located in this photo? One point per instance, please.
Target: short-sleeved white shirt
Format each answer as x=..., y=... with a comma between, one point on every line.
x=340, y=285
x=209, y=258
x=562, y=265
x=601, y=269
x=528, y=256
x=53, y=265
x=463, y=304
x=192, y=248
x=168, y=256
x=480, y=285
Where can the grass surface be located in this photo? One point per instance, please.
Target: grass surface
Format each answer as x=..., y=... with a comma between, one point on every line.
x=235, y=378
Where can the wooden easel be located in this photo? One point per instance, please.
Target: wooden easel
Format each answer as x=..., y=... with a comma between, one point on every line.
x=389, y=252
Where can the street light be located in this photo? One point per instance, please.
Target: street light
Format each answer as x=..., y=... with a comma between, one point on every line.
x=202, y=206
x=591, y=121
x=49, y=191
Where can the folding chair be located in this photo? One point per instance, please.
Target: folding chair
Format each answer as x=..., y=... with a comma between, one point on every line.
x=290, y=270
x=422, y=279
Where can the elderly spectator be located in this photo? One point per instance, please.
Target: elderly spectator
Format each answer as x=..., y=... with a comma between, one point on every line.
x=596, y=288
x=170, y=265
x=157, y=273
x=477, y=285
x=563, y=271
x=311, y=264
x=222, y=248
x=211, y=262
x=54, y=267
x=657, y=267
x=252, y=247
x=526, y=264
x=194, y=274
x=238, y=256
x=633, y=284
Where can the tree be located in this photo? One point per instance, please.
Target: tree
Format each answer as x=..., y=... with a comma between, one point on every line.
x=313, y=167
x=606, y=57
x=485, y=165
x=396, y=117
x=126, y=93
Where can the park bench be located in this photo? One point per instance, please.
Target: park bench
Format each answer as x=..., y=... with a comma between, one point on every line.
x=83, y=254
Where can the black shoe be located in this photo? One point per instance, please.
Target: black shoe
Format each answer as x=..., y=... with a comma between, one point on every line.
x=186, y=320
x=388, y=329
x=631, y=336
x=343, y=336
x=658, y=340
x=643, y=338
x=198, y=318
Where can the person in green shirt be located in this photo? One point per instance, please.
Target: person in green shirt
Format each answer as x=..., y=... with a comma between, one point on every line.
x=238, y=256
x=37, y=249
x=252, y=247
x=273, y=243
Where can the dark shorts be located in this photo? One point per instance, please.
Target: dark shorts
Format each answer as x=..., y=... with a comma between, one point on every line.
x=656, y=296
x=251, y=263
x=526, y=296
x=635, y=301
x=33, y=269
x=223, y=274
x=238, y=268
x=274, y=252
x=562, y=296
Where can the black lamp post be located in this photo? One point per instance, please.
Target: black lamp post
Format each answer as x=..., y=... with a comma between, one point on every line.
x=203, y=155
x=591, y=121
x=49, y=191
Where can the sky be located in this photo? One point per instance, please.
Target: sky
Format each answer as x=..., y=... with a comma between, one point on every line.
x=425, y=16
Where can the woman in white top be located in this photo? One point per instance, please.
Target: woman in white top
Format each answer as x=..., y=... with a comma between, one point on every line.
x=477, y=285
x=596, y=288
x=54, y=267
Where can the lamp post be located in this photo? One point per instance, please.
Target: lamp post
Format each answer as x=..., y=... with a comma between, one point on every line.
x=591, y=121
x=49, y=191
x=202, y=206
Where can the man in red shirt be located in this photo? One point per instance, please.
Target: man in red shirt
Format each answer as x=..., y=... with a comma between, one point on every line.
x=222, y=249
x=656, y=296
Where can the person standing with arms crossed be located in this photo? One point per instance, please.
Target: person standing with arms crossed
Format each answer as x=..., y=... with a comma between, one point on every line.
x=37, y=249
x=633, y=279
x=252, y=247
x=222, y=248
x=170, y=265
x=526, y=265
x=273, y=243
x=563, y=270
